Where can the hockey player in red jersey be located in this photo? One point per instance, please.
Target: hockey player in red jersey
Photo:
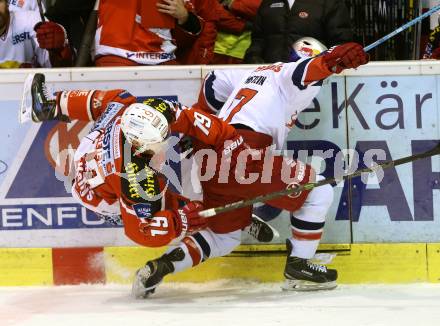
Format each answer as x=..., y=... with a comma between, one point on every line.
x=117, y=183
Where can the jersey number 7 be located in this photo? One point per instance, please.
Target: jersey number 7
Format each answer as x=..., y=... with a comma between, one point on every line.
x=243, y=96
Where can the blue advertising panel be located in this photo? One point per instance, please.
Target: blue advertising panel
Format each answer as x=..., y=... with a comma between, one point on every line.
x=389, y=118
x=354, y=121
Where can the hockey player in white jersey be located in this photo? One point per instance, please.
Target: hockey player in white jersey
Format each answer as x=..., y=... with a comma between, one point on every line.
x=26, y=42
x=262, y=105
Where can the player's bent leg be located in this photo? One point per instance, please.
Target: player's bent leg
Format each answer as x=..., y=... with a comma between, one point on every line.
x=36, y=103
x=307, y=224
x=191, y=251
x=206, y=244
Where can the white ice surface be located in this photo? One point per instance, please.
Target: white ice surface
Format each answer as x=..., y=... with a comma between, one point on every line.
x=221, y=303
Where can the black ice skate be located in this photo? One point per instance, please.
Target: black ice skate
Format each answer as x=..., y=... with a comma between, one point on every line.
x=36, y=103
x=261, y=230
x=151, y=275
x=303, y=275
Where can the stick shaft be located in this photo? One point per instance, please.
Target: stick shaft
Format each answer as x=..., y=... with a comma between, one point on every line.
x=40, y=9
x=88, y=36
x=309, y=186
x=402, y=28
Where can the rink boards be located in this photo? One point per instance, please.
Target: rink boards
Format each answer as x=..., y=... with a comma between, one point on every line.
x=384, y=232
x=356, y=263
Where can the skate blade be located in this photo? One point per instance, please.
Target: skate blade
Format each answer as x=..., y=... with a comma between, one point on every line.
x=25, y=113
x=275, y=232
x=138, y=290
x=301, y=285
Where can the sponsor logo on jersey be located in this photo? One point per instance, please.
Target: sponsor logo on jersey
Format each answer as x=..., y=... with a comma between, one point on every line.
x=143, y=210
x=228, y=149
x=78, y=93
x=141, y=182
x=150, y=55
x=132, y=170
x=108, y=115
x=148, y=184
x=104, y=150
x=107, y=161
x=274, y=67
x=18, y=38
x=184, y=221
x=116, y=142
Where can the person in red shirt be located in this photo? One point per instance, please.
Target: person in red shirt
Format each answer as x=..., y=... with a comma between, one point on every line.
x=114, y=172
x=143, y=32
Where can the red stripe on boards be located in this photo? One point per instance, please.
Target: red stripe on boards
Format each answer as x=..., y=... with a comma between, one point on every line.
x=78, y=265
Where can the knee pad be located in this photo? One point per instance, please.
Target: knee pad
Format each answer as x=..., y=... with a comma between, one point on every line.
x=317, y=204
x=203, y=245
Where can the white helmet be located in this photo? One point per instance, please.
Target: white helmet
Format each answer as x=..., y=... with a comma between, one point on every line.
x=306, y=47
x=144, y=126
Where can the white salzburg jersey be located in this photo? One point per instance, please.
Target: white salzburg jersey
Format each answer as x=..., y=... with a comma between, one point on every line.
x=17, y=5
x=20, y=49
x=267, y=99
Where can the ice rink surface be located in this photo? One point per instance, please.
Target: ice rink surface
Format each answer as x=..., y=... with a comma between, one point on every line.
x=221, y=303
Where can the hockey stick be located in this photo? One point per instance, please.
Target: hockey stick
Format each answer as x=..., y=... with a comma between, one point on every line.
x=40, y=9
x=309, y=186
x=88, y=37
x=402, y=28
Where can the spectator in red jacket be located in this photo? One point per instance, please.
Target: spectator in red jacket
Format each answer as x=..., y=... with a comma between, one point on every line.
x=199, y=50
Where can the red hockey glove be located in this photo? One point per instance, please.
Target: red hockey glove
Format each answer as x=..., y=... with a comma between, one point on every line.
x=170, y=224
x=50, y=35
x=189, y=219
x=345, y=56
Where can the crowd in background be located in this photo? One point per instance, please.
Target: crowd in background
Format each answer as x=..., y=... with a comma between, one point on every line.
x=169, y=32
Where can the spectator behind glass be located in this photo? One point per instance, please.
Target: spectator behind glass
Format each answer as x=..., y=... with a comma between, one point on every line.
x=73, y=15
x=234, y=36
x=17, y=5
x=432, y=48
x=199, y=50
x=27, y=42
x=139, y=32
x=279, y=24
